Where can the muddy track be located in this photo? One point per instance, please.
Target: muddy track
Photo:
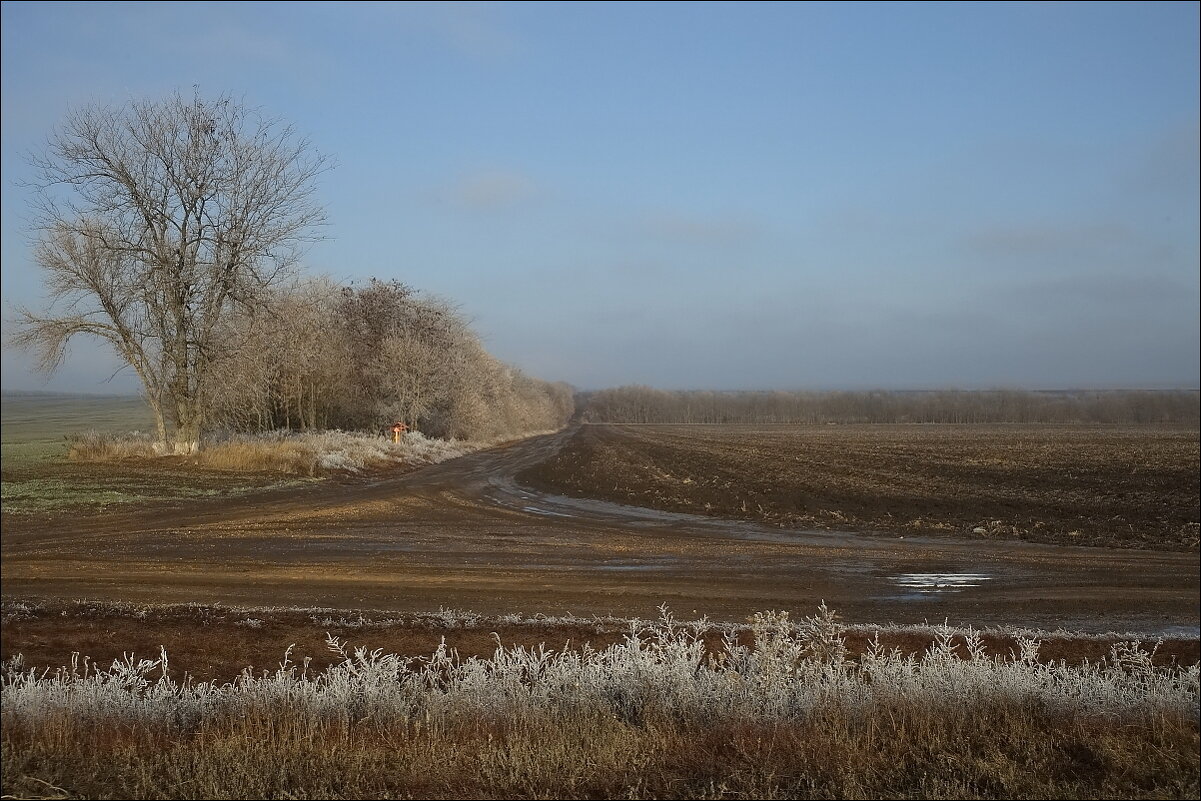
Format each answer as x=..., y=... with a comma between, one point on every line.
x=466, y=534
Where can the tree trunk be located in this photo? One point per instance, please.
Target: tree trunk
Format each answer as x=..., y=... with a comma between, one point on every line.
x=161, y=446
x=187, y=439
x=187, y=427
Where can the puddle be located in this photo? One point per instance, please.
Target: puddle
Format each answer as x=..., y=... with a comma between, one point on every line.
x=938, y=583
x=534, y=510
x=631, y=566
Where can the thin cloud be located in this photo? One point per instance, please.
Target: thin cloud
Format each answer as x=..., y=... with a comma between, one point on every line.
x=238, y=43
x=470, y=29
x=491, y=190
x=226, y=37
x=1171, y=164
x=1046, y=238
x=685, y=229
x=1118, y=291
x=474, y=31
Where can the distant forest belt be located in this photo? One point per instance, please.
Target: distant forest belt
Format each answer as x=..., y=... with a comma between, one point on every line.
x=1117, y=486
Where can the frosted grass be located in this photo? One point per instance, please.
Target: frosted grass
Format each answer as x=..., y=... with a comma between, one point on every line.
x=352, y=452
x=660, y=670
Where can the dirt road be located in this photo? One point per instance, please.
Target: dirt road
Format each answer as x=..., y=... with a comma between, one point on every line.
x=465, y=534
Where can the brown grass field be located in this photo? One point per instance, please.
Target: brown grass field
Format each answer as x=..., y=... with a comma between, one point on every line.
x=986, y=750
x=1128, y=487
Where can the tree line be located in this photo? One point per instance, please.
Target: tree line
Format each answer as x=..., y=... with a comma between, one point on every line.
x=316, y=355
x=643, y=404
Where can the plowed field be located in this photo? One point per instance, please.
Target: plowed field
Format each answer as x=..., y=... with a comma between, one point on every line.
x=1124, y=487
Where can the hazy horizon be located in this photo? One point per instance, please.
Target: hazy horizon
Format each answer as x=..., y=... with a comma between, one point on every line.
x=797, y=197
x=134, y=393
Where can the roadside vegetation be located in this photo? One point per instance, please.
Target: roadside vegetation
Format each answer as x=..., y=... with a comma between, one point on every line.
x=217, y=642
x=311, y=383
x=310, y=453
x=658, y=714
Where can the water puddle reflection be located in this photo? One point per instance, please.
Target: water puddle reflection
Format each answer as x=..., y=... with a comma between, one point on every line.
x=938, y=583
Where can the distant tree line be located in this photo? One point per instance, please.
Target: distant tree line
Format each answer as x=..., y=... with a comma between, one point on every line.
x=317, y=355
x=643, y=404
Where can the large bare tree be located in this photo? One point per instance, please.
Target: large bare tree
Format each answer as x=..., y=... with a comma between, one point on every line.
x=155, y=218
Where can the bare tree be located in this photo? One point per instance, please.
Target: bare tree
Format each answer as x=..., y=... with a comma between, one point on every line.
x=155, y=219
x=281, y=364
x=316, y=354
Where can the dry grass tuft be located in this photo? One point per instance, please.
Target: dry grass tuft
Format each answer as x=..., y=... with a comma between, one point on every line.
x=96, y=446
x=252, y=455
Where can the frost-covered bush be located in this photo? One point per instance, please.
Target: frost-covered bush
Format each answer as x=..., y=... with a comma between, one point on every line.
x=315, y=453
x=660, y=671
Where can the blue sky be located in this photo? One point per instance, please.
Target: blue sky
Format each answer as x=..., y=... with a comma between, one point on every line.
x=723, y=196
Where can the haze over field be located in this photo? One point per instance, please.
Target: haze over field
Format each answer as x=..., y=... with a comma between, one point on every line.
x=721, y=196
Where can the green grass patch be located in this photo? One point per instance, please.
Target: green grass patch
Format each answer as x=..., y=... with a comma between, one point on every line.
x=38, y=479
x=36, y=495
